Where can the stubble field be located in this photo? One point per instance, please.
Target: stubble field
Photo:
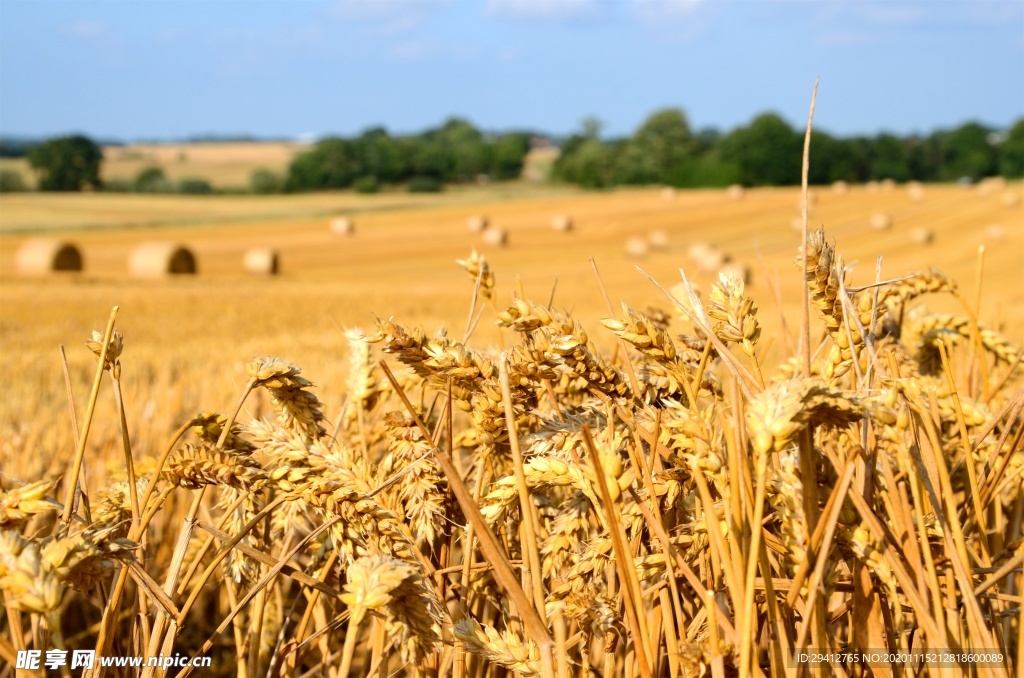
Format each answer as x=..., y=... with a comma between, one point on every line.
x=401, y=262
x=726, y=431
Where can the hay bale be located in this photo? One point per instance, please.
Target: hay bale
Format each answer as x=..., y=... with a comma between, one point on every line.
x=668, y=194
x=707, y=257
x=343, y=226
x=157, y=259
x=741, y=271
x=495, y=237
x=636, y=248
x=922, y=235
x=881, y=221
x=562, y=223
x=477, y=223
x=840, y=187
x=888, y=185
x=915, y=191
x=736, y=192
x=261, y=261
x=39, y=256
x=872, y=186
x=990, y=185
x=995, y=232
x=812, y=200
x=1011, y=198
x=658, y=240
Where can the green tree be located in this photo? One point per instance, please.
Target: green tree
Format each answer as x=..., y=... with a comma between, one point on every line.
x=11, y=181
x=508, y=154
x=768, y=152
x=658, y=148
x=69, y=163
x=968, y=153
x=1011, y=154
x=151, y=180
x=890, y=158
x=265, y=182
x=590, y=164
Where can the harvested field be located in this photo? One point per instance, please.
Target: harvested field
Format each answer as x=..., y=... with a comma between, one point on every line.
x=746, y=431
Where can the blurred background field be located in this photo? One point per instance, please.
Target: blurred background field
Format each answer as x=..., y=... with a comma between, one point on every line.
x=192, y=334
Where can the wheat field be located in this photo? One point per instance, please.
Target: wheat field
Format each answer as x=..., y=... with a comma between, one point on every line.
x=470, y=506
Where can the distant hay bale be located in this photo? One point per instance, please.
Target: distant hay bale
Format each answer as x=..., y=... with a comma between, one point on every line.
x=990, y=185
x=707, y=257
x=495, y=237
x=343, y=226
x=888, y=185
x=636, y=248
x=840, y=187
x=261, y=261
x=872, y=186
x=562, y=223
x=915, y=191
x=477, y=223
x=736, y=192
x=922, y=235
x=39, y=256
x=995, y=232
x=658, y=240
x=157, y=259
x=741, y=271
x=881, y=221
x=1011, y=198
x=668, y=194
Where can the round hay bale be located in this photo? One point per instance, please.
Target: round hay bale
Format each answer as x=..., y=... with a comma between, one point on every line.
x=881, y=221
x=995, y=232
x=343, y=226
x=1011, y=198
x=922, y=235
x=157, y=259
x=261, y=261
x=562, y=223
x=991, y=185
x=915, y=191
x=495, y=237
x=840, y=187
x=741, y=271
x=39, y=256
x=477, y=223
x=636, y=248
x=707, y=257
x=812, y=200
x=668, y=194
x=888, y=185
x=872, y=186
x=658, y=240
x=736, y=192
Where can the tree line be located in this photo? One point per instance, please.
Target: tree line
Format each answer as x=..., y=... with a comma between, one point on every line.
x=455, y=152
x=768, y=152
x=663, y=150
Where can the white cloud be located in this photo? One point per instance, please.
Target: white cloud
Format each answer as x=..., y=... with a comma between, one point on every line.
x=396, y=16
x=412, y=49
x=85, y=28
x=663, y=8
x=541, y=9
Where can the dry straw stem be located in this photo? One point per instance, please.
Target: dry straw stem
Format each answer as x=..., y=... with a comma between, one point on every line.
x=623, y=560
x=76, y=467
x=529, y=524
x=805, y=318
x=489, y=545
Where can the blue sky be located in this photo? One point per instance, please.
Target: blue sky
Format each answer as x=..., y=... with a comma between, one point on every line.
x=175, y=68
